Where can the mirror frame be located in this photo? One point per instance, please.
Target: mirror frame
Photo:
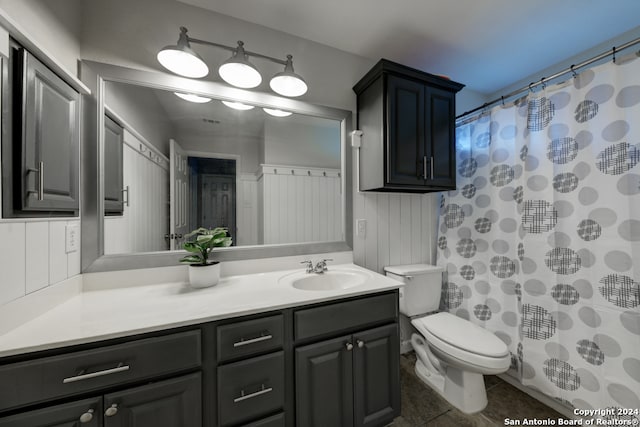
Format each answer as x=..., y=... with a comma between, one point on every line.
x=95, y=75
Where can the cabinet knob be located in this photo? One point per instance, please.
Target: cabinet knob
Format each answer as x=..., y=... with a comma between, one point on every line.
x=111, y=410
x=86, y=417
x=360, y=343
x=349, y=346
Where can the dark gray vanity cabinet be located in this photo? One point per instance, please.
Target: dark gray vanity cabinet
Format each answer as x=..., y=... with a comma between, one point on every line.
x=408, y=122
x=41, y=140
x=168, y=403
x=113, y=168
x=153, y=381
x=352, y=379
x=334, y=363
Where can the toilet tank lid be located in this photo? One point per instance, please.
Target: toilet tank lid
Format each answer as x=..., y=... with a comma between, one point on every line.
x=413, y=269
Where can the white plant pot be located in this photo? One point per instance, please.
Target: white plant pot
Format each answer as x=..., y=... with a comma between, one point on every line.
x=203, y=276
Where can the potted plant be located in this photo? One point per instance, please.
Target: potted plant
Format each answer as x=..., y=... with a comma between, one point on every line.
x=202, y=272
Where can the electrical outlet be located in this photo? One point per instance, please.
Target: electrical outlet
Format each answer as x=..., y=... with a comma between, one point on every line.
x=72, y=238
x=361, y=228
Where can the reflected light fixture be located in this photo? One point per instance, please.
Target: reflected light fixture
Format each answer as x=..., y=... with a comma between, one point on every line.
x=277, y=113
x=237, y=70
x=193, y=97
x=181, y=59
x=238, y=105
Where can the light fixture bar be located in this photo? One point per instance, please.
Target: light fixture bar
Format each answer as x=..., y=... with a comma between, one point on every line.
x=233, y=49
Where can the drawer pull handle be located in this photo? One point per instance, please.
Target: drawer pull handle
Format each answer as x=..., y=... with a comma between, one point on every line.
x=111, y=410
x=120, y=368
x=252, y=340
x=260, y=392
x=86, y=417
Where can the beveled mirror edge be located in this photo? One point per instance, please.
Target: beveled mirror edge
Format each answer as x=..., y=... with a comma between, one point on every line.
x=94, y=75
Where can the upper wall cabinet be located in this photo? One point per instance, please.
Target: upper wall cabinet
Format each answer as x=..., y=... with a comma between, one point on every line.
x=407, y=118
x=41, y=135
x=113, y=179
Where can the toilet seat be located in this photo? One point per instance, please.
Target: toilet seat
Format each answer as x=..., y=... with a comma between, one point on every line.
x=460, y=339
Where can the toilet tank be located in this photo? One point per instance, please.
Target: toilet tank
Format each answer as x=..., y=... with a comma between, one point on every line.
x=422, y=287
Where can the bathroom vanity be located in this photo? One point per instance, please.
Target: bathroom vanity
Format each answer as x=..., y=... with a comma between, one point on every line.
x=256, y=350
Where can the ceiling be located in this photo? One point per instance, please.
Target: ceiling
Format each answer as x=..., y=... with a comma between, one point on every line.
x=488, y=44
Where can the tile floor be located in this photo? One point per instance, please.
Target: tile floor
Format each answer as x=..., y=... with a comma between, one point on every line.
x=422, y=406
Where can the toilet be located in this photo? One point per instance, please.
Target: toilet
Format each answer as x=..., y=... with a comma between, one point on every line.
x=452, y=353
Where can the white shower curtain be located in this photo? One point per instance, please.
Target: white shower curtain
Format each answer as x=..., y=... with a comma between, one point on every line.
x=541, y=241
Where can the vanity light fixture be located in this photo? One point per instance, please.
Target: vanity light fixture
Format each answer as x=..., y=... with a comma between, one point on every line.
x=237, y=70
x=238, y=105
x=193, y=97
x=277, y=113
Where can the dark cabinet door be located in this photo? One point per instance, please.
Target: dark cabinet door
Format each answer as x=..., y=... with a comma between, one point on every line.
x=405, y=148
x=324, y=384
x=113, y=180
x=170, y=403
x=50, y=132
x=376, y=376
x=440, y=137
x=85, y=413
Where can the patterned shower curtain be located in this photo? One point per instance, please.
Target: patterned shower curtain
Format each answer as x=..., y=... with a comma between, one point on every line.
x=541, y=240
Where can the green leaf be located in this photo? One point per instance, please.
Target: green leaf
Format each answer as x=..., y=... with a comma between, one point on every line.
x=191, y=247
x=192, y=259
x=201, y=239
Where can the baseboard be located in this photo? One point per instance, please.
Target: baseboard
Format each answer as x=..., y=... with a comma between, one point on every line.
x=541, y=397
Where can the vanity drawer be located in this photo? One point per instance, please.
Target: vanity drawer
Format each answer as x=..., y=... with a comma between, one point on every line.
x=273, y=421
x=250, y=388
x=345, y=316
x=250, y=337
x=42, y=379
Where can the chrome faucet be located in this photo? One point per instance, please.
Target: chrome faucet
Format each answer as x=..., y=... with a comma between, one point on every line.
x=309, y=265
x=321, y=266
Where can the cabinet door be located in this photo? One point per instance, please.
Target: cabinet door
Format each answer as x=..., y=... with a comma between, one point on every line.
x=50, y=139
x=324, y=384
x=441, y=142
x=84, y=413
x=376, y=376
x=170, y=403
x=405, y=149
x=113, y=182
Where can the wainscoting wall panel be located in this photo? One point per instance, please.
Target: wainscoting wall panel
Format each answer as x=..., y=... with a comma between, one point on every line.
x=400, y=229
x=300, y=204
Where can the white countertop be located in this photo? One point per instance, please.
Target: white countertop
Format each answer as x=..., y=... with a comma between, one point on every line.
x=110, y=312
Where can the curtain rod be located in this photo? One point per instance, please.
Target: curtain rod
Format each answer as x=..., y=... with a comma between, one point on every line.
x=570, y=69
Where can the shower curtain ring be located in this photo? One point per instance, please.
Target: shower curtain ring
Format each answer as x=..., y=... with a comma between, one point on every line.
x=530, y=89
x=543, y=84
x=502, y=97
x=613, y=54
x=573, y=72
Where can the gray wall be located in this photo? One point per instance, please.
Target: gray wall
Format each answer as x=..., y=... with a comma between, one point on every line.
x=302, y=141
x=55, y=26
x=140, y=108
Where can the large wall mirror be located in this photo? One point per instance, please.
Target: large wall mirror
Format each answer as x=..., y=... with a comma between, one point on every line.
x=174, y=154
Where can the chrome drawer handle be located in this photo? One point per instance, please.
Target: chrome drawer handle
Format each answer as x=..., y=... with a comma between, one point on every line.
x=252, y=340
x=40, y=171
x=81, y=376
x=260, y=392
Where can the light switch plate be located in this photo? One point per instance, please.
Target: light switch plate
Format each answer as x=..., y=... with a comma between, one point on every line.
x=72, y=238
x=361, y=228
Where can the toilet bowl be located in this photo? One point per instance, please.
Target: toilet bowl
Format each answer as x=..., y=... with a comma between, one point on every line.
x=452, y=353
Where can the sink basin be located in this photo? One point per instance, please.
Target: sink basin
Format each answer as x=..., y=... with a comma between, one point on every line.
x=328, y=281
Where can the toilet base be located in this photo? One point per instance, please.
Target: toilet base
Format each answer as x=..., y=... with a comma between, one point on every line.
x=463, y=389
